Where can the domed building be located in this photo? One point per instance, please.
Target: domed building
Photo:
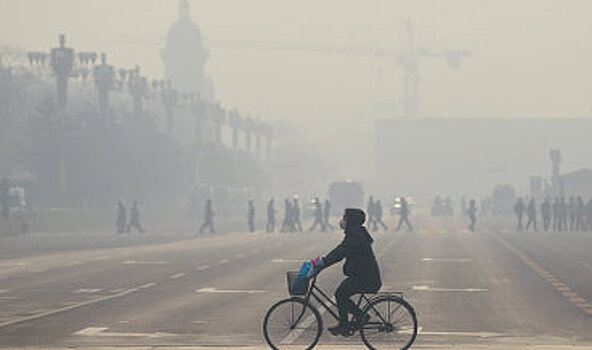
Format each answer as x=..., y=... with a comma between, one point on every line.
x=184, y=56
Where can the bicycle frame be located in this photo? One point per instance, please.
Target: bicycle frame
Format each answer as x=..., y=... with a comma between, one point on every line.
x=327, y=302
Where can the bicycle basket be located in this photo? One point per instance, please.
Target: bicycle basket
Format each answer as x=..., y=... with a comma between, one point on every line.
x=297, y=285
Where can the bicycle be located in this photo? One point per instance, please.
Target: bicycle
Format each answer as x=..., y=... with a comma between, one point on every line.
x=388, y=322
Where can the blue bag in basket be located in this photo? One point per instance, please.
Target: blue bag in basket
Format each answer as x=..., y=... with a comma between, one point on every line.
x=300, y=283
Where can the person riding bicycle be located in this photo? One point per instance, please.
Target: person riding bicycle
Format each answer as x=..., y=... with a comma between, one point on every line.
x=361, y=268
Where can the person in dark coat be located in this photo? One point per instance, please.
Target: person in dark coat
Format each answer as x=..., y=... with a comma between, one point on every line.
x=208, y=217
x=270, y=216
x=318, y=215
x=134, y=221
x=251, y=216
x=531, y=215
x=327, y=215
x=361, y=268
x=519, y=209
x=546, y=213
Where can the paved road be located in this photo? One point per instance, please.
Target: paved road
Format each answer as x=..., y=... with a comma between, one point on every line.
x=489, y=288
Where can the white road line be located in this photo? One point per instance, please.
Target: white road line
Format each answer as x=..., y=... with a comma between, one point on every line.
x=239, y=256
x=463, y=334
x=446, y=259
x=70, y=307
x=87, y=290
x=101, y=332
x=147, y=285
x=223, y=261
x=203, y=267
x=286, y=261
x=177, y=275
x=13, y=264
x=435, y=289
x=222, y=291
x=3, y=291
x=133, y=262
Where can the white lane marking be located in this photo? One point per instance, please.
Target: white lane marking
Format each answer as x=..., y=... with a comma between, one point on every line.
x=199, y=322
x=73, y=263
x=87, y=290
x=101, y=332
x=71, y=307
x=106, y=257
x=147, y=285
x=10, y=298
x=462, y=334
x=435, y=289
x=223, y=261
x=222, y=291
x=134, y=262
x=286, y=261
x=3, y=291
x=13, y=264
x=446, y=259
x=203, y=267
x=177, y=275
x=239, y=256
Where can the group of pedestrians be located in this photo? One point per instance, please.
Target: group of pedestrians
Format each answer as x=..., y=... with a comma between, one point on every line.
x=125, y=225
x=374, y=212
x=558, y=214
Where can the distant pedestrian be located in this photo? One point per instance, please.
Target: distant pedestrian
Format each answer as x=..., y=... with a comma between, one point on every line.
x=580, y=214
x=588, y=219
x=519, y=208
x=327, y=215
x=546, y=214
x=531, y=214
x=208, y=217
x=472, y=214
x=287, y=224
x=563, y=213
x=404, y=215
x=296, y=224
x=251, y=216
x=270, y=216
x=378, y=215
x=572, y=213
x=557, y=215
x=318, y=215
x=134, y=221
x=121, y=217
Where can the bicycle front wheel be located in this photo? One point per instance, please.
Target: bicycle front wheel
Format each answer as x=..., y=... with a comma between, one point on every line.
x=292, y=324
x=392, y=324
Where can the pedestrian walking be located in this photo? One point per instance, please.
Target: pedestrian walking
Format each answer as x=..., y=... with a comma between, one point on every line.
x=556, y=215
x=287, y=224
x=270, y=216
x=404, y=215
x=121, y=217
x=251, y=216
x=318, y=215
x=134, y=221
x=296, y=224
x=546, y=214
x=531, y=214
x=378, y=211
x=519, y=208
x=208, y=217
x=370, y=210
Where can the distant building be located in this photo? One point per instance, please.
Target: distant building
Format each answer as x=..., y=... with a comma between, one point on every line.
x=578, y=183
x=184, y=56
x=423, y=157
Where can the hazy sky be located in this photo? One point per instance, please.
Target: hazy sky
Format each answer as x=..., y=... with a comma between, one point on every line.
x=530, y=58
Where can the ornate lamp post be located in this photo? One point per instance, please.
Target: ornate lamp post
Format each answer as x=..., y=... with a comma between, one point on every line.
x=104, y=76
x=169, y=99
x=61, y=61
x=138, y=87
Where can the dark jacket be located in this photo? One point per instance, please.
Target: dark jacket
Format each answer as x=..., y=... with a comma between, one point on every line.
x=360, y=261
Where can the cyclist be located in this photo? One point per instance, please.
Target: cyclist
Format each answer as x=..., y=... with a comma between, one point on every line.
x=361, y=268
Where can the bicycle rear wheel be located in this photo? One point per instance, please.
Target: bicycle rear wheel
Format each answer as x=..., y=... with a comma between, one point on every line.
x=292, y=324
x=392, y=324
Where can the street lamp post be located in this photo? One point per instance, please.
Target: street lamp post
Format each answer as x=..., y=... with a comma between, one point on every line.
x=104, y=76
x=61, y=61
x=169, y=99
x=137, y=88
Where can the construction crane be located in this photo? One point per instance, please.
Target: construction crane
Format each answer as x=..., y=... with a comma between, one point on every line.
x=409, y=61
